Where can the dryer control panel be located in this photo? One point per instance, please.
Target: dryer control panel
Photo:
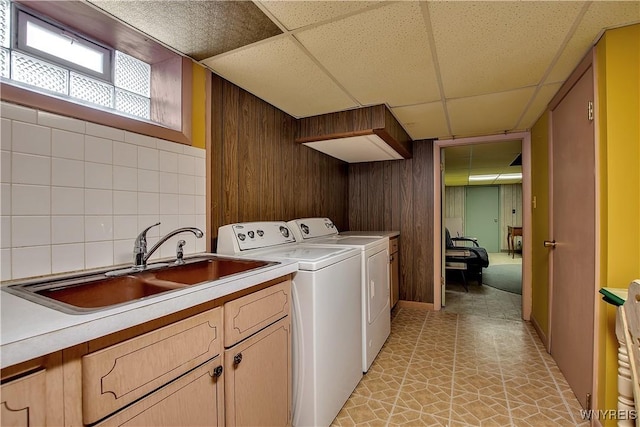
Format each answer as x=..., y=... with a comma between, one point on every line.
x=236, y=238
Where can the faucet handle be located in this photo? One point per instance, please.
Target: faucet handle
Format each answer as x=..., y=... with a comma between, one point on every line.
x=180, y=252
x=140, y=246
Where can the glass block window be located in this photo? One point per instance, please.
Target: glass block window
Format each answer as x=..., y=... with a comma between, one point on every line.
x=35, y=72
x=91, y=90
x=46, y=56
x=131, y=103
x=132, y=74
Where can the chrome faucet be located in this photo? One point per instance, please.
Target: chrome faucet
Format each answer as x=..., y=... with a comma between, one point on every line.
x=140, y=253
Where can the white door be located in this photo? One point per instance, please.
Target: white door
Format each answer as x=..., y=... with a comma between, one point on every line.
x=377, y=285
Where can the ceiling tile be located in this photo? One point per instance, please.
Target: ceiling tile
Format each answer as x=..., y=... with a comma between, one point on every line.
x=379, y=56
x=297, y=14
x=601, y=14
x=488, y=46
x=423, y=121
x=199, y=29
x=487, y=114
x=279, y=72
x=539, y=105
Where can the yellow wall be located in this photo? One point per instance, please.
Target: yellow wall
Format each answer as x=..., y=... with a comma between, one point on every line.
x=618, y=68
x=198, y=106
x=540, y=222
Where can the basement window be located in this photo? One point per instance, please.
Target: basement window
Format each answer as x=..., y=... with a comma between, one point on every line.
x=49, y=58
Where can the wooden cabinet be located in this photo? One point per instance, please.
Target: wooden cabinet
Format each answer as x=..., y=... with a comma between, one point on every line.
x=394, y=271
x=258, y=358
x=120, y=374
x=23, y=401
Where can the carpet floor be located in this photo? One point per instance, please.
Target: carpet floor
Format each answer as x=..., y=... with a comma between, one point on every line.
x=507, y=277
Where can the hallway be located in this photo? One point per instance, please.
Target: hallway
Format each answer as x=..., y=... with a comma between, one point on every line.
x=450, y=369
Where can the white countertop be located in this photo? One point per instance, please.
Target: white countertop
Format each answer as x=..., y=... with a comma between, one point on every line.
x=29, y=330
x=388, y=234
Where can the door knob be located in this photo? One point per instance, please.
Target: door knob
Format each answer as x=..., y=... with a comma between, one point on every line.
x=550, y=244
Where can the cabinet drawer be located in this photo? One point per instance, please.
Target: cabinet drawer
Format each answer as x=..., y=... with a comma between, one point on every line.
x=120, y=374
x=245, y=316
x=195, y=399
x=393, y=245
x=23, y=401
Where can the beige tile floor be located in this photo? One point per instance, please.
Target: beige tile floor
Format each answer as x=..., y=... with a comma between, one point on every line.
x=461, y=369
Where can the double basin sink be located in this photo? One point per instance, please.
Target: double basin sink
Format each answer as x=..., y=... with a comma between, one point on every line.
x=96, y=291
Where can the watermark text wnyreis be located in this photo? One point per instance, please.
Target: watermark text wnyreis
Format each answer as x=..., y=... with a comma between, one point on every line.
x=608, y=414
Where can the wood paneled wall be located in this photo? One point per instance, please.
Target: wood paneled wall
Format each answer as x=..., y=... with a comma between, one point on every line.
x=258, y=172
x=398, y=195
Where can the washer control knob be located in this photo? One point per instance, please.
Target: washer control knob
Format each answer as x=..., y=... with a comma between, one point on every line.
x=251, y=234
x=260, y=232
x=304, y=228
x=241, y=236
x=284, y=231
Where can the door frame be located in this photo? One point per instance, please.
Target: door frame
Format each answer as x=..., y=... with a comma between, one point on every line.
x=525, y=138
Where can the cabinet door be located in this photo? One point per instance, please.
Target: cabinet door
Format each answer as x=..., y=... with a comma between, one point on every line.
x=394, y=279
x=196, y=399
x=258, y=378
x=24, y=401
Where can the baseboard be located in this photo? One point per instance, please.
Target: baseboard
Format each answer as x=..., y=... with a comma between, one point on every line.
x=415, y=304
x=541, y=334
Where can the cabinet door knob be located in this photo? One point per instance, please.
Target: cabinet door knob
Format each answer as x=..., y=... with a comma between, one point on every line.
x=217, y=371
x=237, y=359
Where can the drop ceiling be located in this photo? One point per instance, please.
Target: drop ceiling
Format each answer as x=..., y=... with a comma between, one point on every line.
x=445, y=69
x=490, y=163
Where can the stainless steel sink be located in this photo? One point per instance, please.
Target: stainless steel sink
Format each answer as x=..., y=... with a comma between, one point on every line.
x=98, y=291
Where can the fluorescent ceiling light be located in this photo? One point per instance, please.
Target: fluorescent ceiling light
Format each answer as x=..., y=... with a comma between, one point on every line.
x=482, y=177
x=506, y=176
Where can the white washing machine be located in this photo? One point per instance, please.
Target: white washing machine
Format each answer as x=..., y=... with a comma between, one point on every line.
x=374, y=262
x=326, y=315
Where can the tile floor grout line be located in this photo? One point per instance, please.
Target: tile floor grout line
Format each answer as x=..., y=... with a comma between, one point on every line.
x=553, y=378
x=453, y=369
x=504, y=385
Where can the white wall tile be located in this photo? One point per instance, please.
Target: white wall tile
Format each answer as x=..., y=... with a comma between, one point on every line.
x=201, y=186
x=174, y=147
x=186, y=164
x=168, y=223
x=187, y=204
x=29, y=169
x=67, y=201
x=5, y=199
x=98, y=254
x=67, y=173
x=187, y=220
x=5, y=172
x=30, y=261
x=5, y=264
x=98, y=150
x=141, y=140
x=148, y=181
x=31, y=139
x=169, y=183
x=169, y=204
x=67, y=229
x=98, y=228
x=67, y=257
x=5, y=232
x=148, y=204
x=148, y=158
x=201, y=205
x=30, y=231
x=30, y=200
x=104, y=132
x=201, y=167
x=168, y=162
x=125, y=154
x=17, y=112
x=195, y=151
x=61, y=122
x=122, y=251
x=125, y=202
x=5, y=134
x=125, y=227
x=186, y=184
x=97, y=175
x=98, y=202
x=125, y=178
x=67, y=145
x=145, y=221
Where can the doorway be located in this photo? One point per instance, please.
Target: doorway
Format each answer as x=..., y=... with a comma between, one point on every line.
x=439, y=270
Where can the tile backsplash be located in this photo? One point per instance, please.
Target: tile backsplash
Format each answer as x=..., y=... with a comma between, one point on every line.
x=75, y=194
